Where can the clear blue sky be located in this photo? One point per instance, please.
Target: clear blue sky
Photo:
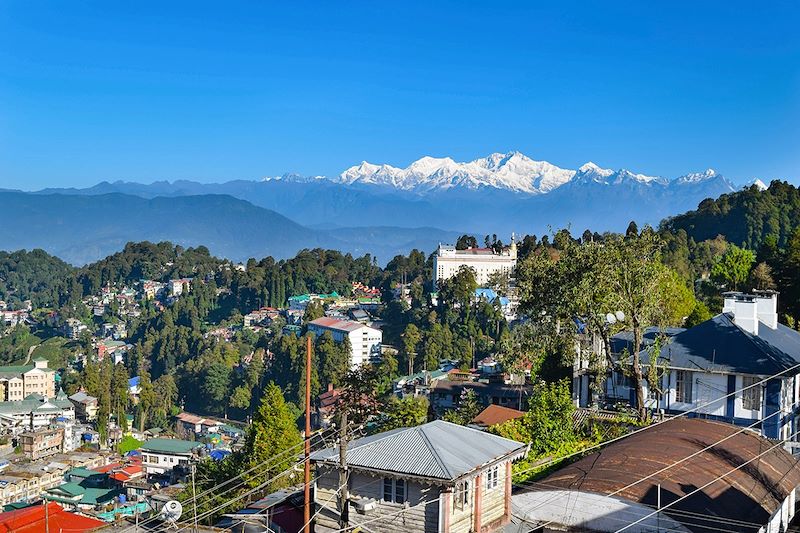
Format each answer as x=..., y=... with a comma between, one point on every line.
x=224, y=90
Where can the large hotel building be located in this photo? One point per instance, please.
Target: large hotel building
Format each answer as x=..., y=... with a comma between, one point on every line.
x=484, y=261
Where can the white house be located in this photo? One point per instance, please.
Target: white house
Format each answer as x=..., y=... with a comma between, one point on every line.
x=716, y=368
x=365, y=341
x=161, y=456
x=484, y=261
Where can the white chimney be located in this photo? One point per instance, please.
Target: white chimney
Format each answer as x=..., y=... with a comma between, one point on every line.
x=744, y=308
x=767, y=302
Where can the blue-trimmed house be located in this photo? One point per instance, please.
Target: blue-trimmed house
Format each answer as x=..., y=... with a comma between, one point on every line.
x=740, y=366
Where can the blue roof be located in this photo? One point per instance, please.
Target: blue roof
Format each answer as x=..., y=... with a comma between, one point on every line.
x=219, y=455
x=489, y=294
x=133, y=382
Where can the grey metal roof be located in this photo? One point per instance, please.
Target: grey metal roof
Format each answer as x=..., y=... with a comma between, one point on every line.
x=719, y=345
x=624, y=339
x=438, y=449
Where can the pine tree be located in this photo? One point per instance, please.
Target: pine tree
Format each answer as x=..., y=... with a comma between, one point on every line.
x=272, y=432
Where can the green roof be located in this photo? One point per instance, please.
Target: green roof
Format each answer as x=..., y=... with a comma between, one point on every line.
x=13, y=506
x=170, y=445
x=19, y=369
x=82, y=472
x=70, y=489
x=93, y=496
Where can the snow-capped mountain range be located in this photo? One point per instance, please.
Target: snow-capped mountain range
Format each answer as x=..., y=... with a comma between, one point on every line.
x=512, y=171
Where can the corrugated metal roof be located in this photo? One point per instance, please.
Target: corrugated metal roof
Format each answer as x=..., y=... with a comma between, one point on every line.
x=335, y=323
x=496, y=414
x=749, y=494
x=438, y=449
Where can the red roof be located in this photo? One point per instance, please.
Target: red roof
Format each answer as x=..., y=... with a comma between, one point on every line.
x=32, y=520
x=127, y=473
x=108, y=468
x=496, y=414
x=335, y=323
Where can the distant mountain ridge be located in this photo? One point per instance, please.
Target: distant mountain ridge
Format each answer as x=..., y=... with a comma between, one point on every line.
x=84, y=228
x=500, y=193
x=512, y=171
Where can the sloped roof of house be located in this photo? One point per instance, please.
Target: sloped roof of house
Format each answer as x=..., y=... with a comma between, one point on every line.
x=337, y=324
x=32, y=520
x=496, y=414
x=170, y=446
x=719, y=345
x=750, y=494
x=82, y=397
x=13, y=371
x=438, y=450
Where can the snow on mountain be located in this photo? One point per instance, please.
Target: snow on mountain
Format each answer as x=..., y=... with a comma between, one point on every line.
x=758, y=183
x=512, y=171
x=293, y=177
x=697, y=177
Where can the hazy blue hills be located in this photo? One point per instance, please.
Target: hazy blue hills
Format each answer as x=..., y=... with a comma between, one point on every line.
x=583, y=202
x=81, y=228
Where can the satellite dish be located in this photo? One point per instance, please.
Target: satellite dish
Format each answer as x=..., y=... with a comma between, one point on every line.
x=620, y=316
x=610, y=318
x=172, y=511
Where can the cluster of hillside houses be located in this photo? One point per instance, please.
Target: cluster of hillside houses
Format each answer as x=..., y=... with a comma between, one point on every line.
x=721, y=457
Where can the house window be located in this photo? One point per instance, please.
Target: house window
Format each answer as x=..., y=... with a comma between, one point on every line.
x=394, y=490
x=461, y=496
x=492, y=477
x=751, y=395
x=683, y=386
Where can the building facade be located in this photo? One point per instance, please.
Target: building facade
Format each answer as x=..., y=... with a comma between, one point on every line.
x=365, y=341
x=161, y=456
x=42, y=443
x=483, y=261
x=18, y=382
x=740, y=366
x=437, y=477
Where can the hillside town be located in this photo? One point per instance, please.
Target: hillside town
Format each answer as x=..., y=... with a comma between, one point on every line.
x=429, y=431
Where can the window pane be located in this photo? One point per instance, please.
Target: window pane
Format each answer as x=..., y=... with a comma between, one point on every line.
x=399, y=491
x=387, y=489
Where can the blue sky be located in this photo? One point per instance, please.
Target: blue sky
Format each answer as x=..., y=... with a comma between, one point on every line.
x=216, y=91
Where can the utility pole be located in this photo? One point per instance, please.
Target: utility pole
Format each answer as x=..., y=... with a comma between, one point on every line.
x=344, y=507
x=194, y=497
x=46, y=516
x=307, y=476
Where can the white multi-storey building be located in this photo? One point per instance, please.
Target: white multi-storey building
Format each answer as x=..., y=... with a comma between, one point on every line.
x=365, y=342
x=484, y=261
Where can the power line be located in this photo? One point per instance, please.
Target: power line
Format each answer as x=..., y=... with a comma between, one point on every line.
x=240, y=475
x=695, y=491
x=645, y=428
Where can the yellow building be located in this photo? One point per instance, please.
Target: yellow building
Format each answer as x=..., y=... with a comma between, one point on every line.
x=17, y=382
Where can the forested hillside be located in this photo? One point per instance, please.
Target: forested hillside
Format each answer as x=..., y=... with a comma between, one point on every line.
x=34, y=275
x=745, y=217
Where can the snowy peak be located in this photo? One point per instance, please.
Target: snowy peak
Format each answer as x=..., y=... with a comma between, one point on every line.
x=514, y=172
x=697, y=177
x=760, y=185
x=591, y=173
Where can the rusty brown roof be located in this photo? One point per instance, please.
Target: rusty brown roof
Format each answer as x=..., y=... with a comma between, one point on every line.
x=750, y=494
x=496, y=414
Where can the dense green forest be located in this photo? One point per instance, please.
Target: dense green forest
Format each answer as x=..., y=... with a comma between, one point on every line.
x=34, y=275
